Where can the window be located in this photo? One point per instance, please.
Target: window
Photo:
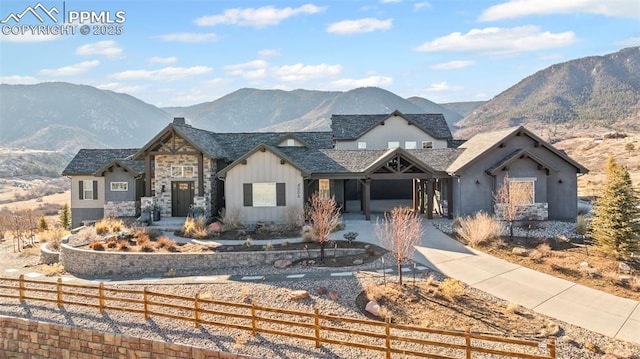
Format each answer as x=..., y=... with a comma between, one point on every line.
x=88, y=190
x=182, y=171
x=427, y=144
x=324, y=188
x=393, y=144
x=119, y=186
x=266, y=194
x=362, y=145
x=291, y=142
x=410, y=145
x=528, y=185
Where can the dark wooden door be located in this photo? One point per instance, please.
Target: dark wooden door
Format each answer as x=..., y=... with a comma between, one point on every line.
x=181, y=198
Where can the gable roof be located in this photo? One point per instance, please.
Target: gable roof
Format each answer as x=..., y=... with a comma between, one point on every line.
x=135, y=167
x=261, y=147
x=237, y=144
x=351, y=127
x=482, y=143
x=88, y=161
x=514, y=156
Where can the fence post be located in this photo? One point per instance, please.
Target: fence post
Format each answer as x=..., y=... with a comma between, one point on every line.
x=467, y=339
x=316, y=322
x=145, y=298
x=59, y=289
x=101, y=296
x=387, y=340
x=196, y=311
x=254, y=319
x=552, y=347
x=21, y=288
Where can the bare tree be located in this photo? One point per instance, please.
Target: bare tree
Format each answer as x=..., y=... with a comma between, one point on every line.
x=324, y=214
x=511, y=200
x=399, y=233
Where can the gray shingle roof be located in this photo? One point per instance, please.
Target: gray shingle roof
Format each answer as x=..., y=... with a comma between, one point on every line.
x=478, y=145
x=351, y=127
x=237, y=144
x=437, y=158
x=88, y=161
x=330, y=160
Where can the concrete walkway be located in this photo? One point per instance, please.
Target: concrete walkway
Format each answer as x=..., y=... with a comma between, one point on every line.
x=567, y=301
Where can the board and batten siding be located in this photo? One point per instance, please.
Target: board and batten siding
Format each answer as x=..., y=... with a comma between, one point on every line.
x=395, y=128
x=263, y=167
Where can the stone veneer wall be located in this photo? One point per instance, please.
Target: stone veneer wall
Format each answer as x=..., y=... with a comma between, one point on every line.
x=85, y=262
x=120, y=209
x=533, y=212
x=163, y=165
x=48, y=256
x=21, y=338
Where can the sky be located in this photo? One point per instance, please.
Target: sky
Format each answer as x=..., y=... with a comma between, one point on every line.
x=180, y=53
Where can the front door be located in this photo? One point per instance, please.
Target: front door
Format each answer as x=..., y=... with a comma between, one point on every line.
x=181, y=198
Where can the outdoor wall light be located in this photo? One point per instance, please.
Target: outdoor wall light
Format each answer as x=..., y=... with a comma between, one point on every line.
x=477, y=181
x=162, y=189
x=560, y=180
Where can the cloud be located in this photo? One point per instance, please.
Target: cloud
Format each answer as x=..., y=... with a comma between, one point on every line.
x=122, y=88
x=390, y=1
x=629, y=42
x=164, y=74
x=359, y=26
x=451, y=65
x=28, y=38
x=248, y=70
x=191, y=37
x=499, y=41
x=300, y=72
x=257, y=17
x=17, y=79
x=441, y=87
x=268, y=53
x=162, y=60
x=421, y=6
x=108, y=48
x=371, y=81
x=71, y=70
x=521, y=8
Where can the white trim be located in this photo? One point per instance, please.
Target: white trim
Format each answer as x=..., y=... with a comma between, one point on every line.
x=362, y=145
x=531, y=180
x=124, y=186
x=427, y=142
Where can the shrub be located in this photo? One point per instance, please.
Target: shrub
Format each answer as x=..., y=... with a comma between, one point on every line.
x=53, y=237
x=123, y=245
x=166, y=243
x=512, y=308
x=96, y=246
x=195, y=228
x=581, y=225
x=307, y=234
x=268, y=246
x=145, y=246
x=109, y=225
x=350, y=236
x=248, y=242
x=285, y=244
x=112, y=243
x=231, y=219
x=479, y=229
x=53, y=269
x=142, y=237
x=452, y=289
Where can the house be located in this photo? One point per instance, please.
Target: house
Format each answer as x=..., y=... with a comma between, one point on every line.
x=268, y=176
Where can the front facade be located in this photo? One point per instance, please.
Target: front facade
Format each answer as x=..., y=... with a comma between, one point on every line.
x=268, y=177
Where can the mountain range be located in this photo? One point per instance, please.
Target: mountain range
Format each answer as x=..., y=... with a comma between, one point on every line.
x=598, y=93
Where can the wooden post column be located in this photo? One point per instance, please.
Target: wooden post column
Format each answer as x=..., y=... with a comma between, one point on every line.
x=430, y=193
x=450, y=197
x=147, y=175
x=422, y=191
x=200, y=174
x=367, y=199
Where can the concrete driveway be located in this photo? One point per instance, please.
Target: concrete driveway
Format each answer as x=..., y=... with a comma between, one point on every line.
x=567, y=301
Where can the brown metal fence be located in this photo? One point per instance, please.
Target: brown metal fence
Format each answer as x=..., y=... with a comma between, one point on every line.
x=389, y=338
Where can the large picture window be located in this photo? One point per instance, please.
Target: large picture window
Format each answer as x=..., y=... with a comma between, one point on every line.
x=526, y=185
x=264, y=194
x=119, y=186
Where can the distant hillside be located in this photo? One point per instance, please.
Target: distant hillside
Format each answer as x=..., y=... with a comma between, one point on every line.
x=59, y=138
x=463, y=108
x=597, y=91
x=298, y=110
x=117, y=119
x=20, y=163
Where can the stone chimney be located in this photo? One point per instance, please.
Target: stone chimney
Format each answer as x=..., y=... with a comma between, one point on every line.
x=179, y=121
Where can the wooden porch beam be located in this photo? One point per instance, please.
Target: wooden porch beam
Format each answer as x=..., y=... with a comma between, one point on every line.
x=430, y=193
x=450, y=197
x=200, y=174
x=147, y=175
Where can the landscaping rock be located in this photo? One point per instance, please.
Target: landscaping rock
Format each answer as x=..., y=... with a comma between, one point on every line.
x=357, y=262
x=215, y=227
x=519, y=251
x=282, y=263
x=333, y=295
x=624, y=267
x=247, y=299
x=374, y=308
x=584, y=264
x=299, y=295
x=321, y=290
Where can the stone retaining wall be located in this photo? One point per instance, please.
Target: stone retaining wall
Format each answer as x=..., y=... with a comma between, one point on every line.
x=47, y=256
x=21, y=338
x=85, y=262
